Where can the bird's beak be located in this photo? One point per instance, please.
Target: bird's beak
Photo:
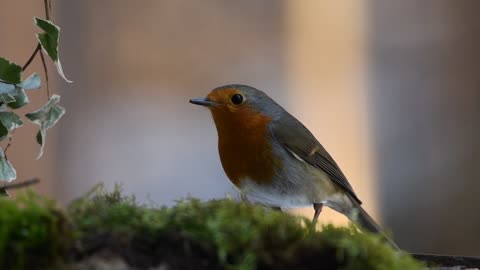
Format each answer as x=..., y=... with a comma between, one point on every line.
x=203, y=101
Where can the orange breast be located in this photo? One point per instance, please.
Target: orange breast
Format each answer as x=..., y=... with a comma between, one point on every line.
x=245, y=151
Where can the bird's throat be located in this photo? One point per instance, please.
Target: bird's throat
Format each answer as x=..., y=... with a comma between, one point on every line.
x=244, y=146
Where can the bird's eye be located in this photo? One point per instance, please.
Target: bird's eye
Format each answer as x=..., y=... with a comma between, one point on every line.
x=237, y=99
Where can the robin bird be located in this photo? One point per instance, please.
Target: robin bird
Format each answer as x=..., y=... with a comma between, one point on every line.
x=274, y=159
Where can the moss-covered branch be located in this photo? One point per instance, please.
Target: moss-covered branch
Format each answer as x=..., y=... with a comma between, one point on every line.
x=217, y=234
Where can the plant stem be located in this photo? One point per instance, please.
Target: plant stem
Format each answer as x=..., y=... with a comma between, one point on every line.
x=37, y=49
x=10, y=139
x=19, y=185
x=48, y=7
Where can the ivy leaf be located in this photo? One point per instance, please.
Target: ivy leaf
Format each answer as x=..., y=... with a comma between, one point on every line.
x=7, y=172
x=46, y=117
x=10, y=74
x=6, y=88
x=3, y=132
x=32, y=82
x=16, y=99
x=9, y=71
x=8, y=122
x=6, y=98
x=49, y=42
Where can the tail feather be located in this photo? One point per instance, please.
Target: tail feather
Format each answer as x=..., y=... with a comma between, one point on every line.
x=366, y=222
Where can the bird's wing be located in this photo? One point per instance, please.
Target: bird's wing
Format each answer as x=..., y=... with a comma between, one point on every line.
x=300, y=142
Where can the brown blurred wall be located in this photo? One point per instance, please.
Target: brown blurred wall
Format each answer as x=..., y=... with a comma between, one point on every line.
x=425, y=91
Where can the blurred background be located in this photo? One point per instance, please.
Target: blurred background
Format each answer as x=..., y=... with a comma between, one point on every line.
x=390, y=88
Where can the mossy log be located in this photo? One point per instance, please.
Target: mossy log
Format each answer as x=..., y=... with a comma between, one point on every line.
x=448, y=262
x=106, y=230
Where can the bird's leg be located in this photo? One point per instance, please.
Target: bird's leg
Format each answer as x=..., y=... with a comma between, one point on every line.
x=318, y=209
x=243, y=196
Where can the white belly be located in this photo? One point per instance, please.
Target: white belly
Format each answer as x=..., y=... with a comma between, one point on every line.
x=273, y=195
x=293, y=195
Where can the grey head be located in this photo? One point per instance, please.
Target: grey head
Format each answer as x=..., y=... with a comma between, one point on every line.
x=234, y=95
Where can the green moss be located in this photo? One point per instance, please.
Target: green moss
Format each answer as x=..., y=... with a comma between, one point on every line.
x=217, y=234
x=33, y=232
x=240, y=235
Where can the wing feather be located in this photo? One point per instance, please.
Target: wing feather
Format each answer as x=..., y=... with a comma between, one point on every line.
x=299, y=141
